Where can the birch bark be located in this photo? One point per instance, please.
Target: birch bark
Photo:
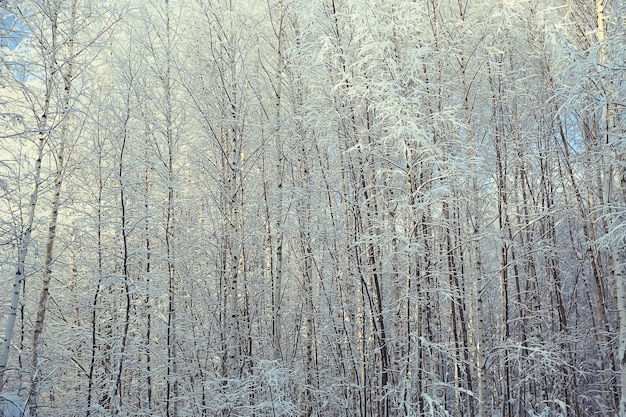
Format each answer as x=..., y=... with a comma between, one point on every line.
x=54, y=214
x=24, y=240
x=612, y=189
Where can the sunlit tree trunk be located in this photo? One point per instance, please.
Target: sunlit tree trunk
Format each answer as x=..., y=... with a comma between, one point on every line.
x=54, y=214
x=24, y=239
x=611, y=130
x=278, y=232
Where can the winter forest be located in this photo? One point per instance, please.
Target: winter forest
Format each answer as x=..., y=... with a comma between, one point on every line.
x=313, y=208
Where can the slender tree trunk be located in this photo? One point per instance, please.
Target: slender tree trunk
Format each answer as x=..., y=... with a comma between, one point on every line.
x=147, y=299
x=304, y=223
x=24, y=240
x=98, y=287
x=24, y=243
x=45, y=285
x=618, y=271
x=117, y=393
x=171, y=405
x=277, y=283
x=52, y=225
x=234, y=252
x=613, y=182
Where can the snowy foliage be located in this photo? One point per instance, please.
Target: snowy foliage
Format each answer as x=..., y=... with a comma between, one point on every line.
x=313, y=208
x=11, y=405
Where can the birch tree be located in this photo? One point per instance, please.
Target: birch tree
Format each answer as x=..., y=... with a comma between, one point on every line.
x=58, y=181
x=360, y=208
x=610, y=31
x=223, y=111
x=49, y=32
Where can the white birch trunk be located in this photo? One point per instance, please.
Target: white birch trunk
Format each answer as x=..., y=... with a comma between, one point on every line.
x=481, y=362
x=234, y=247
x=54, y=214
x=304, y=217
x=25, y=236
x=278, y=272
x=613, y=183
x=234, y=202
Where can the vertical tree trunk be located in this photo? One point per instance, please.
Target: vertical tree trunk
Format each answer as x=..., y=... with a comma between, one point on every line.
x=618, y=271
x=117, y=397
x=304, y=223
x=501, y=150
x=24, y=240
x=459, y=325
x=277, y=283
x=54, y=214
x=147, y=298
x=23, y=245
x=171, y=404
x=234, y=189
x=481, y=362
x=234, y=252
x=612, y=189
x=100, y=176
